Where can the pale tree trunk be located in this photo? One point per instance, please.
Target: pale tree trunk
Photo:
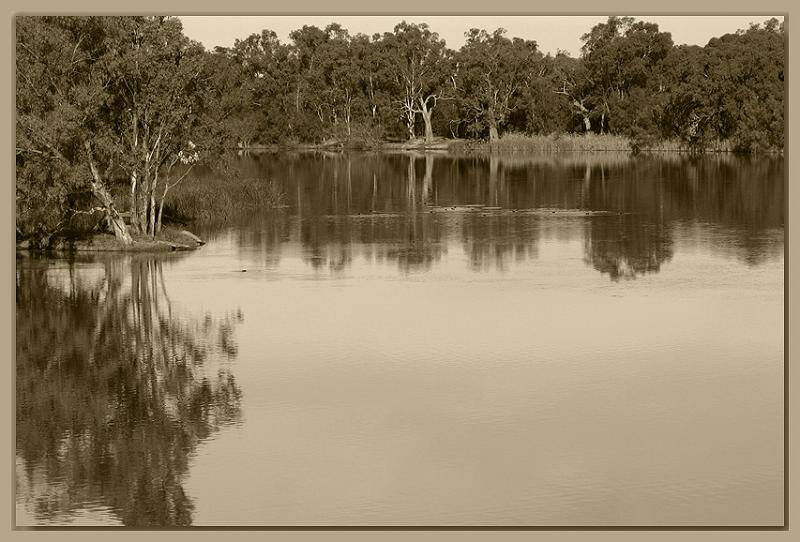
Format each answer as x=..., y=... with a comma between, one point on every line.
x=373, y=105
x=134, y=211
x=587, y=124
x=426, y=116
x=99, y=190
x=410, y=114
x=410, y=125
x=151, y=226
x=145, y=180
x=134, y=178
x=154, y=186
x=142, y=203
x=347, y=120
x=493, y=135
x=348, y=114
x=161, y=208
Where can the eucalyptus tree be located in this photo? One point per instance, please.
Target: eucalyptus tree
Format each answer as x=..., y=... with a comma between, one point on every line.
x=730, y=90
x=420, y=64
x=554, y=99
x=688, y=113
x=97, y=96
x=155, y=106
x=267, y=92
x=233, y=112
x=491, y=69
x=570, y=81
x=342, y=76
x=308, y=91
x=747, y=72
x=376, y=57
x=621, y=55
x=375, y=69
x=64, y=143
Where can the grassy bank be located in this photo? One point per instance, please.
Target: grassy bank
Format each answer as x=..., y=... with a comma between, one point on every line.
x=546, y=143
x=214, y=198
x=515, y=142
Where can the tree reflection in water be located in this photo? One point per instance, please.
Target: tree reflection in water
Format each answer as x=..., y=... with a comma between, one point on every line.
x=343, y=206
x=114, y=390
x=623, y=247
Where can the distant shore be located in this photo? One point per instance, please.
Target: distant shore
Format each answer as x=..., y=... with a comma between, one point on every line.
x=511, y=142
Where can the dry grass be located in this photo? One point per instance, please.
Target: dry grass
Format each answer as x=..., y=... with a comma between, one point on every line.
x=548, y=143
x=214, y=199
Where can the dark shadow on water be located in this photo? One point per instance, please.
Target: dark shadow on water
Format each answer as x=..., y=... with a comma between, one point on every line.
x=344, y=206
x=115, y=389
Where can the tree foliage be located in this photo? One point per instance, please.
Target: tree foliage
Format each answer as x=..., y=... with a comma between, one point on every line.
x=99, y=98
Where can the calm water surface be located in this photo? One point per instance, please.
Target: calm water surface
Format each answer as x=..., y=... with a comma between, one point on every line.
x=422, y=340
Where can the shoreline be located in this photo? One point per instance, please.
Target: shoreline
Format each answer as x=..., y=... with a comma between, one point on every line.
x=514, y=143
x=169, y=240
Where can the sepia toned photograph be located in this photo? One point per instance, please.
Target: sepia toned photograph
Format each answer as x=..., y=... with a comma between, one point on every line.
x=400, y=271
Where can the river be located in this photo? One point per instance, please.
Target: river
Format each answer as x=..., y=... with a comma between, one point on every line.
x=425, y=340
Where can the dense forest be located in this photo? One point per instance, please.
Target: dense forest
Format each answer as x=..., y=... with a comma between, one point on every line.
x=113, y=112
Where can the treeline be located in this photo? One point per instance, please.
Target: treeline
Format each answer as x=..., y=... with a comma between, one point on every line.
x=126, y=105
x=629, y=80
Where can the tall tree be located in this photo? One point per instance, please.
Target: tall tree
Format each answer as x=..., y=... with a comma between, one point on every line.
x=538, y=109
x=570, y=80
x=420, y=64
x=102, y=95
x=64, y=142
x=747, y=71
x=491, y=70
x=155, y=107
x=621, y=55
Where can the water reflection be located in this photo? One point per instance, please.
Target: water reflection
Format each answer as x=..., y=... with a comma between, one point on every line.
x=623, y=247
x=629, y=213
x=119, y=390
x=114, y=389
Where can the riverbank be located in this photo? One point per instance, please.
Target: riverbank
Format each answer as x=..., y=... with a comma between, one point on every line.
x=438, y=143
x=515, y=142
x=170, y=239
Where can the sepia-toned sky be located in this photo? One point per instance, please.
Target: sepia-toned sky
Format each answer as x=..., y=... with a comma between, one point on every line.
x=550, y=32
